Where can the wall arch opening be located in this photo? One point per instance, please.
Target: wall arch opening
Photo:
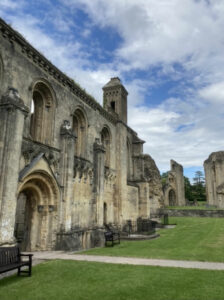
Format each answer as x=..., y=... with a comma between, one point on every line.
x=36, y=217
x=106, y=141
x=80, y=130
x=42, y=114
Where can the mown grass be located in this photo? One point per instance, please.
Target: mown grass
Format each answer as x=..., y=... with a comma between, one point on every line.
x=70, y=280
x=199, y=239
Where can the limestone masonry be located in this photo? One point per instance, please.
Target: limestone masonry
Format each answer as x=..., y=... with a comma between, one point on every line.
x=67, y=165
x=174, y=189
x=214, y=176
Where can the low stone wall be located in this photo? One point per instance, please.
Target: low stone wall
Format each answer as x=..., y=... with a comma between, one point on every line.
x=80, y=239
x=194, y=213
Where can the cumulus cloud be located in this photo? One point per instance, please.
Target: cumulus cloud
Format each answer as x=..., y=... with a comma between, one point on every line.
x=179, y=40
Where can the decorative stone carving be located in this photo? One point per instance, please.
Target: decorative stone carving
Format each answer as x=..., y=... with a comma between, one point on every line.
x=12, y=99
x=31, y=149
x=83, y=169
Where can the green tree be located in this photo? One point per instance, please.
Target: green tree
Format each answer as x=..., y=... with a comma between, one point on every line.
x=164, y=177
x=198, y=188
x=188, y=189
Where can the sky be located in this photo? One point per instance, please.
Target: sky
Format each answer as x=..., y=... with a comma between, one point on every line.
x=169, y=54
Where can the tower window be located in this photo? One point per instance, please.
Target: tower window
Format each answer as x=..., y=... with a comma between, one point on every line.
x=112, y=104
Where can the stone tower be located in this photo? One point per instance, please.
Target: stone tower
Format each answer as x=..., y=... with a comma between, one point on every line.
x=115, y=98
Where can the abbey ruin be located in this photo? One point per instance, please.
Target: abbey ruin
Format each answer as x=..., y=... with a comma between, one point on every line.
x=174, y=194
x=214, y=176
x=67, y=165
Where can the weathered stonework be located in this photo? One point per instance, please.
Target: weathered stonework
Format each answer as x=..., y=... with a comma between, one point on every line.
x=174, y=193
x=214, y=177
x=67, y=164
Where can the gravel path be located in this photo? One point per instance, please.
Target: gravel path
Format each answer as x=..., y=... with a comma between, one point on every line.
x=48, y=255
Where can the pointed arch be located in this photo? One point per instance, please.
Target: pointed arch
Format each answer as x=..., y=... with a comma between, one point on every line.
x=43, y=105
x=80, y=130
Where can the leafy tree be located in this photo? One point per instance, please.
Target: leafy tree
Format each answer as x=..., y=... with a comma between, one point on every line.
x=188, y=189
x=198, y=188
x=164, y=177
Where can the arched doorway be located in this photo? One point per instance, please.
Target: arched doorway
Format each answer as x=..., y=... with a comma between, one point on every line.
x=36, y=214
x=172, y=198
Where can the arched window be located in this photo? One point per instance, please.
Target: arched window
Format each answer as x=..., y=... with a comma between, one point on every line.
x=105, y=140
x=42, y=114
x=80, y=130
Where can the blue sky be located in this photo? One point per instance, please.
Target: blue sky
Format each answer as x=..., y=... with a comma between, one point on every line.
x=168, y=54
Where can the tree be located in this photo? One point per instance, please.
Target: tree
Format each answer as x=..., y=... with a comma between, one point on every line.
x=199, y=178
x=188, y=189
x=198, y=188
x=164, y=177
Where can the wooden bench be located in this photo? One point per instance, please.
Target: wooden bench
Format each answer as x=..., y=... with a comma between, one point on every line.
x=112, y=235
x=10, y=259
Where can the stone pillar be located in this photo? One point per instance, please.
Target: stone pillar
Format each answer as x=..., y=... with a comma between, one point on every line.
x=12, y=116
x=121, y=179
x=99, y=162
x=144, y=204
x=67, y=167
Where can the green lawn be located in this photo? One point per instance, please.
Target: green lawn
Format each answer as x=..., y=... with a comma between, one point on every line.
x=70, y=280
x=199, y=239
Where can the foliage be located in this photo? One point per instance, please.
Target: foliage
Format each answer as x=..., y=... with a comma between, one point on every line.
x=66, y=280
x=192, y=239
x=164, y=177
x=188, y=189
x=195, y=191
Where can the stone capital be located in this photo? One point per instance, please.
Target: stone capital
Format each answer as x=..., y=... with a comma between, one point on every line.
x=12, y=100
x=66, y=130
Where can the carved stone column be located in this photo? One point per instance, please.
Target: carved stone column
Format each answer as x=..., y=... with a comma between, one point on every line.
x=98, y=188
x=67, y=172
x=12, y=115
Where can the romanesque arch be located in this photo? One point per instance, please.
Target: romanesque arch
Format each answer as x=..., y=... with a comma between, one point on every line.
x=106, y=141
x=42, y=113
x=80, y=130
x=172, y=197
x=36, y=214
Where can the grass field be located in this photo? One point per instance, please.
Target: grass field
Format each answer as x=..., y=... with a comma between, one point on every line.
x=199, y=239
x=70, y=280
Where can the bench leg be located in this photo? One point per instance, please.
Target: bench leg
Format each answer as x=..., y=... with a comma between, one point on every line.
x=19, y=271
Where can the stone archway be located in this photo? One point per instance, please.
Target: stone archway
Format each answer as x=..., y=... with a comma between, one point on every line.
x=172, y=197
x=36, y=214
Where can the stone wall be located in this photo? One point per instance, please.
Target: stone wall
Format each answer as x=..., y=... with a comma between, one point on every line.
x=77, y=164
x=214, y=178
x=194, y=213
x=174, y=192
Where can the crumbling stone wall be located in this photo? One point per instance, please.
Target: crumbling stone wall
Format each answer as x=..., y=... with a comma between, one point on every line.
x=214, y=179
x=76, y=164
x=174, y=192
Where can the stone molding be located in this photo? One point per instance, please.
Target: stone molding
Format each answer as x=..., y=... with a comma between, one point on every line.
x=11, y=100
x=39, y=60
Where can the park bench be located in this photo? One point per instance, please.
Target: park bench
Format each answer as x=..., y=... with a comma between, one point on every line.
x=112, y=235
x=10, y=259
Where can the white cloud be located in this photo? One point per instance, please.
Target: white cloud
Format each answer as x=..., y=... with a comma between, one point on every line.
x=154, y=34
x=213, y=92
